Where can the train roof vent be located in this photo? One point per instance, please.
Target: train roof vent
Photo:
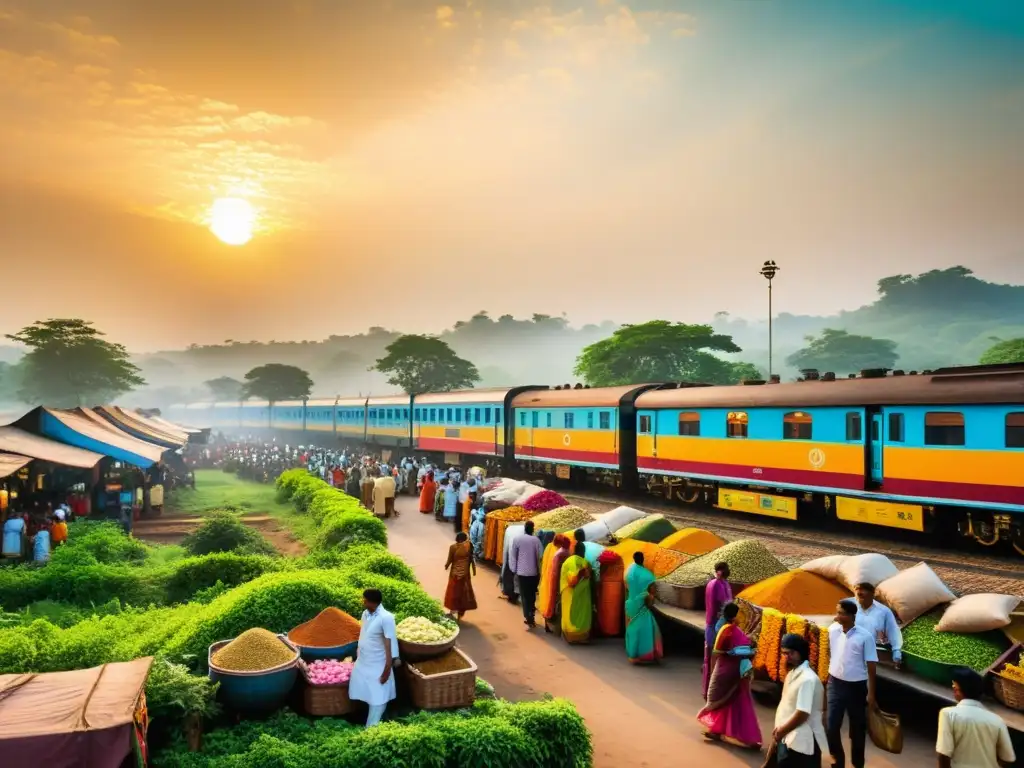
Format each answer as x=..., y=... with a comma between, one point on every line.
x=775, y=379
x=691, y=384
x=873, y=373
x=926, y=372
x=913, y=373
x=828, y=376
x=752, y=382
x=898, y=372
x=851, y=375
x=810, y=374
x=578, y=386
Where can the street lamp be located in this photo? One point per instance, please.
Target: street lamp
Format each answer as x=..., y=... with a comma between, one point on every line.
x=769, y=269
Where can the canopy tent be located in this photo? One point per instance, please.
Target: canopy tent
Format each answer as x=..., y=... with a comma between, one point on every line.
x=134, y=427
x=92, y=433
x=11, y=463
x=18, y=441
x=178, y=433
x=79, y=719
x=196, y=435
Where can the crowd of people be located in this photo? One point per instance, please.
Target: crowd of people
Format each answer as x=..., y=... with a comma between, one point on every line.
x=29, y=534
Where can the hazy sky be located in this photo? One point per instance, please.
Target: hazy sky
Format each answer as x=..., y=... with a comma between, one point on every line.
x=412, y=163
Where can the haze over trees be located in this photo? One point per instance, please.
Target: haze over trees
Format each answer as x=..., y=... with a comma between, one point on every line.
x=425, y=364
x=225, y=388
x=842, y=352
x=1009, y=351
x=276, y=382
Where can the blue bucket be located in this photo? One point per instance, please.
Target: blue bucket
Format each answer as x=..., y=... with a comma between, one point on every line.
x=339, y=652
x=262, y=691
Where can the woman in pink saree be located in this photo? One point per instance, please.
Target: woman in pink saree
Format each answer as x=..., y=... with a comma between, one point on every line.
x=729, y=712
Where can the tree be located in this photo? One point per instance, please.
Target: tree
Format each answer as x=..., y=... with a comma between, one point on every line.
x=842, y=352
x=657, y=351
x=1009, y=351
x=225, y=389
x=276, y=382
x=420, y=364
x=746, y=372
x=69, y=363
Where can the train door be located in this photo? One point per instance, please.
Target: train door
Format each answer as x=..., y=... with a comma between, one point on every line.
x=876, y=444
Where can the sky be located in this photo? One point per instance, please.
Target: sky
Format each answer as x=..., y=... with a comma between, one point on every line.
x=410, y=163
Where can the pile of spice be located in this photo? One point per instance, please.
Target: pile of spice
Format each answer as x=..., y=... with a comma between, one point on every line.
x=545, y=501
x=566, y=518
x=978, y=651
x=692, y=541
x=331, y=628
x=800, y=592
x=253, y=651
x=512, y=514
x=657, y=560
x=749, y=562
x=449, y=662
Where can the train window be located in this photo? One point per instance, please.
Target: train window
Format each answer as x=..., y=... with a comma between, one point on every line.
x=522, y=418
x=568, y=419
x=1015, y=430
x=736, y=424
x=449, y=414
x=476, y=415
x=689, y=424
x=605, y=420
x=497, y=415
x=895, y=427
x=405, y=414
x=433, y=415
x=469, y=415
x=416, y=413
x=534, y=419
x=645, y=425
x=487, y=415
x=796, y=425
x=590, y=419
x=853, y=427
x=548, y=416
x=458, y=415
x=943, y=428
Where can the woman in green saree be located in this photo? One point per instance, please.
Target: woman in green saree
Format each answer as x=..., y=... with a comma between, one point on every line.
x=577, y=600
x=643, y=639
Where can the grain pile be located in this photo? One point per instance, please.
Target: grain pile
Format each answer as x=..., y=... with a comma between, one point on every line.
x=749, y=562
x=255, y=650
x=692, y=541
x=800, y=592
x=657, y=560
x=567, y=518
x=448, y=662
x=512, y=514
x=331, y=627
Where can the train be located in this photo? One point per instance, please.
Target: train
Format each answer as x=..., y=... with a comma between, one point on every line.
x=939, y=453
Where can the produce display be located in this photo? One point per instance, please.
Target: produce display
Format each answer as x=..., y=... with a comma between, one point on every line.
x=331, y=627
x=692, y=541
x=512, y=514
x=448, y=662
x=799, y=592
x=1014, y=670
x=657, y=560
x=633, y=526
x=564, y=518
x=654, y=529
x=766, y=656
x=977, y=651
x=254, y=650
x=749, y=562
x=545, y=501
x=330, y=672
x=417, y=629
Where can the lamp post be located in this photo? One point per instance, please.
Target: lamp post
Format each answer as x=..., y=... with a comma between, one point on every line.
x=769, y=270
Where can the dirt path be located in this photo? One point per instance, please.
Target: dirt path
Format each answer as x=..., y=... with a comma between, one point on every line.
x=640, y=716
x=171, y=528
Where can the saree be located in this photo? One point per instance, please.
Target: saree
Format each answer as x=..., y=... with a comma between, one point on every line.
x=550, y=575
x=643, y=638
x=729, y=711
x=717, y=593
x=577, y=604
x=427, y=495
x=459, y=596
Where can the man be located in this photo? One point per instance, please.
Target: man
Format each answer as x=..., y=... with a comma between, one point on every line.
x=969, y=735
x=524, y=560
x=799, y=733
x=717, y=593
x=851, y=683
x=372, y=678
x=879, y=620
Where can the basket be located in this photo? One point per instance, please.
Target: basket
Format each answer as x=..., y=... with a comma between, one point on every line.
x=264, y=690
x=1009, y=693
x=408, y=651
x=324, y=700
x=687, y=598
x=447, y=690
x=936, y=671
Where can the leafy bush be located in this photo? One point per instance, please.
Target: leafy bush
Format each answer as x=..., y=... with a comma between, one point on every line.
x=104, y=541
x=225, y=532
x=345, y=529
x=288, y=480
x=195, y=574
x=375, y=559
x=173, y=693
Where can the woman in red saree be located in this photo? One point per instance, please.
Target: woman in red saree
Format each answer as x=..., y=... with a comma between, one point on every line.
x=427, y=494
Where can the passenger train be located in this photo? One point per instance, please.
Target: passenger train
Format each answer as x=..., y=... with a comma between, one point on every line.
x=936, y=453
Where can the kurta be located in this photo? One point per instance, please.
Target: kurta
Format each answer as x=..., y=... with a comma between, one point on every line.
x=377, y=628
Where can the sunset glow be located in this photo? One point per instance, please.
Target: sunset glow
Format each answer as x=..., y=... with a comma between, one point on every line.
x=232, y=220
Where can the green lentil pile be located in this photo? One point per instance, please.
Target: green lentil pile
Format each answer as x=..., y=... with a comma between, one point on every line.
x=749, y=562
x=253, y=651
x=630, y=528
x=567, y=518
x=977, y=651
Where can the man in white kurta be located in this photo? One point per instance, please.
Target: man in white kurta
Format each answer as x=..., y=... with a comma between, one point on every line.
x=373, y=679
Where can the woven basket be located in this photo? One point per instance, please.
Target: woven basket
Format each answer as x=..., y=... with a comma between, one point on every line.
x=324, y=700
x=687, y=598
x=421, y=651
x=1008, y=692
x=447, y=690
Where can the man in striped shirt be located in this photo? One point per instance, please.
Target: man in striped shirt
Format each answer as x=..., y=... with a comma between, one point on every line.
x=524, y=560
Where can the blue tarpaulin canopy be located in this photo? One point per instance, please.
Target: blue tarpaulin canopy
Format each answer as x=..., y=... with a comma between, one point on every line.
x=93, y=434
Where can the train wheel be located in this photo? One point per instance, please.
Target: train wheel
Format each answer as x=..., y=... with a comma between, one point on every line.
x=690, y=493
x=982, y=528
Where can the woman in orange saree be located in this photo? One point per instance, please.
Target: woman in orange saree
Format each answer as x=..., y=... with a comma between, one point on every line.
x=427, y=494
x=459, y=597
x=548, y=592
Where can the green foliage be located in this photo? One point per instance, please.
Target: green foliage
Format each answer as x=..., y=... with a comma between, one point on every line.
x=1009, y=351
x=746, y=372
x=425, y=364
x=69, y=364
x=225, y=532
x=173, y=693
x=191, y=576
x=657, y=351
x=276, y=382
x=225, y=389
x=842, y=352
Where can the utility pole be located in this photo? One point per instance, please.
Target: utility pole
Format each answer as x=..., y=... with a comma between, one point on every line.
x=769, y=270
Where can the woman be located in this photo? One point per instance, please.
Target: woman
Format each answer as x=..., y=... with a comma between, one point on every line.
x=577, y=602
x=551, y=563
x=451, y=504
x=59, y=529
x=353, y=485
x=643, y=639
x=717, y=593
x=427, y=494
x=459, y=597
x=15, y=531
x=476, y=533
x=366, y=489
x=729, y=711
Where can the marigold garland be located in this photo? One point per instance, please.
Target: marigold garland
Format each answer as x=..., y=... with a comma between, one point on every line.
x=766, y=659
x=823, y=655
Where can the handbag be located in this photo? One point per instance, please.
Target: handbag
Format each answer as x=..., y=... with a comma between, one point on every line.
x=886, y=730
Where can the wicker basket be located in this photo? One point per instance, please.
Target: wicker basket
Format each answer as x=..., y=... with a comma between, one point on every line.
x=421, y=651
x=1008, y=692
x=447, y=690
x=687, y=598
x=324, y=700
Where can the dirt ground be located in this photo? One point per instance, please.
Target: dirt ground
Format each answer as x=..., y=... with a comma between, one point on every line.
x=171, y=528
x=639, y=716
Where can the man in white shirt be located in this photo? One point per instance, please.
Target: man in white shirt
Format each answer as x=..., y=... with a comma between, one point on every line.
x=373, y=679
x=969, y=735
x=799, y=733
x=851, y=684
x=879, y=620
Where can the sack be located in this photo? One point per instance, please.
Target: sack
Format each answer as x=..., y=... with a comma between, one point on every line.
x=913, y=592
x=528, y=490
x=886, y=731
x=620, y=517
x=826, y=567
x=595, y=531
x=978, y=613
x=871, y=568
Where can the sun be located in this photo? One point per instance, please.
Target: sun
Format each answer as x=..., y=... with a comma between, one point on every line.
x=232, y=220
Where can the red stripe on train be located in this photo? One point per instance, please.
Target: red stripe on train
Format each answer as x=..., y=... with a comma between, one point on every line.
x=452, y=445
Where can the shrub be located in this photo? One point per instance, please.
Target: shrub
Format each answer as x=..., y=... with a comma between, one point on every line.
x=304, y=490
x=345, y=529
x=373, y=558
x=173, y=693
x=225, y=532
x=288, y=480
x=195, y=574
